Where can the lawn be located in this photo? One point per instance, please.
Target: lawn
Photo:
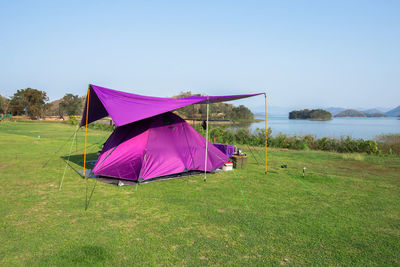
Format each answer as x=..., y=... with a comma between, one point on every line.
x=345, y=211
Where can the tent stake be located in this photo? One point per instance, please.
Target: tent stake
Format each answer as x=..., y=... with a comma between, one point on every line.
x=87, y=115
x=205, y=161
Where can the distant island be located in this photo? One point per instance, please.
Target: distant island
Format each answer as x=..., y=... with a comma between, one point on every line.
x=373, y=112
x=313, y=114
x=357, y=113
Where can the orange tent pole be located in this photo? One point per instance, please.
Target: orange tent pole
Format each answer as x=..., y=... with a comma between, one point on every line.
x=87, y=116
x=266, y=131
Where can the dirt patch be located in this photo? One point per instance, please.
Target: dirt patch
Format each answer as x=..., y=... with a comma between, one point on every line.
x=284, y=261
x=5, y=166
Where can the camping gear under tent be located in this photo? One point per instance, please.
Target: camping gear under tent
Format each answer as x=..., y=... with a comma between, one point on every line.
x=149, y=141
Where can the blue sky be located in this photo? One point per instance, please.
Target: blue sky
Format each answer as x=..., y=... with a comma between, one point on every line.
x=302, y=53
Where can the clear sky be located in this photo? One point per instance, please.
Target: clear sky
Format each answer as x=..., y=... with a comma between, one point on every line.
x=302, y=53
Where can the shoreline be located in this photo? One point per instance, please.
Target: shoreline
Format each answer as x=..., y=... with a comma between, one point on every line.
x=225, y=122
x=316, y=119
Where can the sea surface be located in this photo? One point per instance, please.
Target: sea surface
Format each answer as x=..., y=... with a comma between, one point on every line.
x=365, y=128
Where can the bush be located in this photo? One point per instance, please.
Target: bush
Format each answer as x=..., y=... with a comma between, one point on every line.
x=309, y=141
x=389, y=143
x=348, y=145
x=98, y=126
x=225, y=135
x=72, y=120
x=243, y=136
x=327, y=144
x=259, y=137
x=101, y=126
x=370, y=147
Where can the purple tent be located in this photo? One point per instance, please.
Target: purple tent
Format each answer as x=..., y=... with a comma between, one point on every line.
x=158, y=146
x=150, y=142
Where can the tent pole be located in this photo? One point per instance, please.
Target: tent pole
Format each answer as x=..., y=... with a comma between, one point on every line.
x=205, y=158
x=87, y=115
x=266, y=131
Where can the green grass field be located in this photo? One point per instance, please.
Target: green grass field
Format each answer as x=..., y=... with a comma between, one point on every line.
x=346, y=211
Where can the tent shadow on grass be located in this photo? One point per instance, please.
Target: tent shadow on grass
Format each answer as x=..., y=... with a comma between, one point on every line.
x=78, y=159
x=91, y=159
x=79, y=256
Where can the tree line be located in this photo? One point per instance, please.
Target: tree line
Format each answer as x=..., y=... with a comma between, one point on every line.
x=306, y=114
x=385, y=145
x=217, y=111
x=34, y=103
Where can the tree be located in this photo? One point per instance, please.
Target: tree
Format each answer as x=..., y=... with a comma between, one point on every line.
x=242, y=113
x=29, y=101
x=314, y=114
x=18, y=103
x=70, y=105
x=4, y=104
x=216, y=110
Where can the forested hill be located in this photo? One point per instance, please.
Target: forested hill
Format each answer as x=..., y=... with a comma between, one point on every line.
x=394, y=112
x=221, y=111
x=357, y=113
x=306, y=114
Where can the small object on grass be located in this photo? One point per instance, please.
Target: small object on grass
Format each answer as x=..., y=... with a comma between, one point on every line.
x=239, y=162
x=283, y=166
x=227, y=166
x=304, y=171
x=38, y=137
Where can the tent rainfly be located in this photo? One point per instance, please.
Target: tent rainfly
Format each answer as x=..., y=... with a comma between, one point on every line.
x=150, y=142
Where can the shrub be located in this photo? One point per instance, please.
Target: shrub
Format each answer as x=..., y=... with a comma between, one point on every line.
x=281, y=140
x=370, y=147
x=101, y=126
x=243, y=136
x=309, y=141
x=348, y=145
x=72, y=120
x=259, y=137
x=224, y=135
x=389, y=143
x=326, y=144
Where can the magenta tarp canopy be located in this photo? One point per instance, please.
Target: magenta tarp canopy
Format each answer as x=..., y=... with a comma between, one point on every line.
x=125, y=108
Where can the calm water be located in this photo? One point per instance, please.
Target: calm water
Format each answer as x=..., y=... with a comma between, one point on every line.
x=366, y=128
